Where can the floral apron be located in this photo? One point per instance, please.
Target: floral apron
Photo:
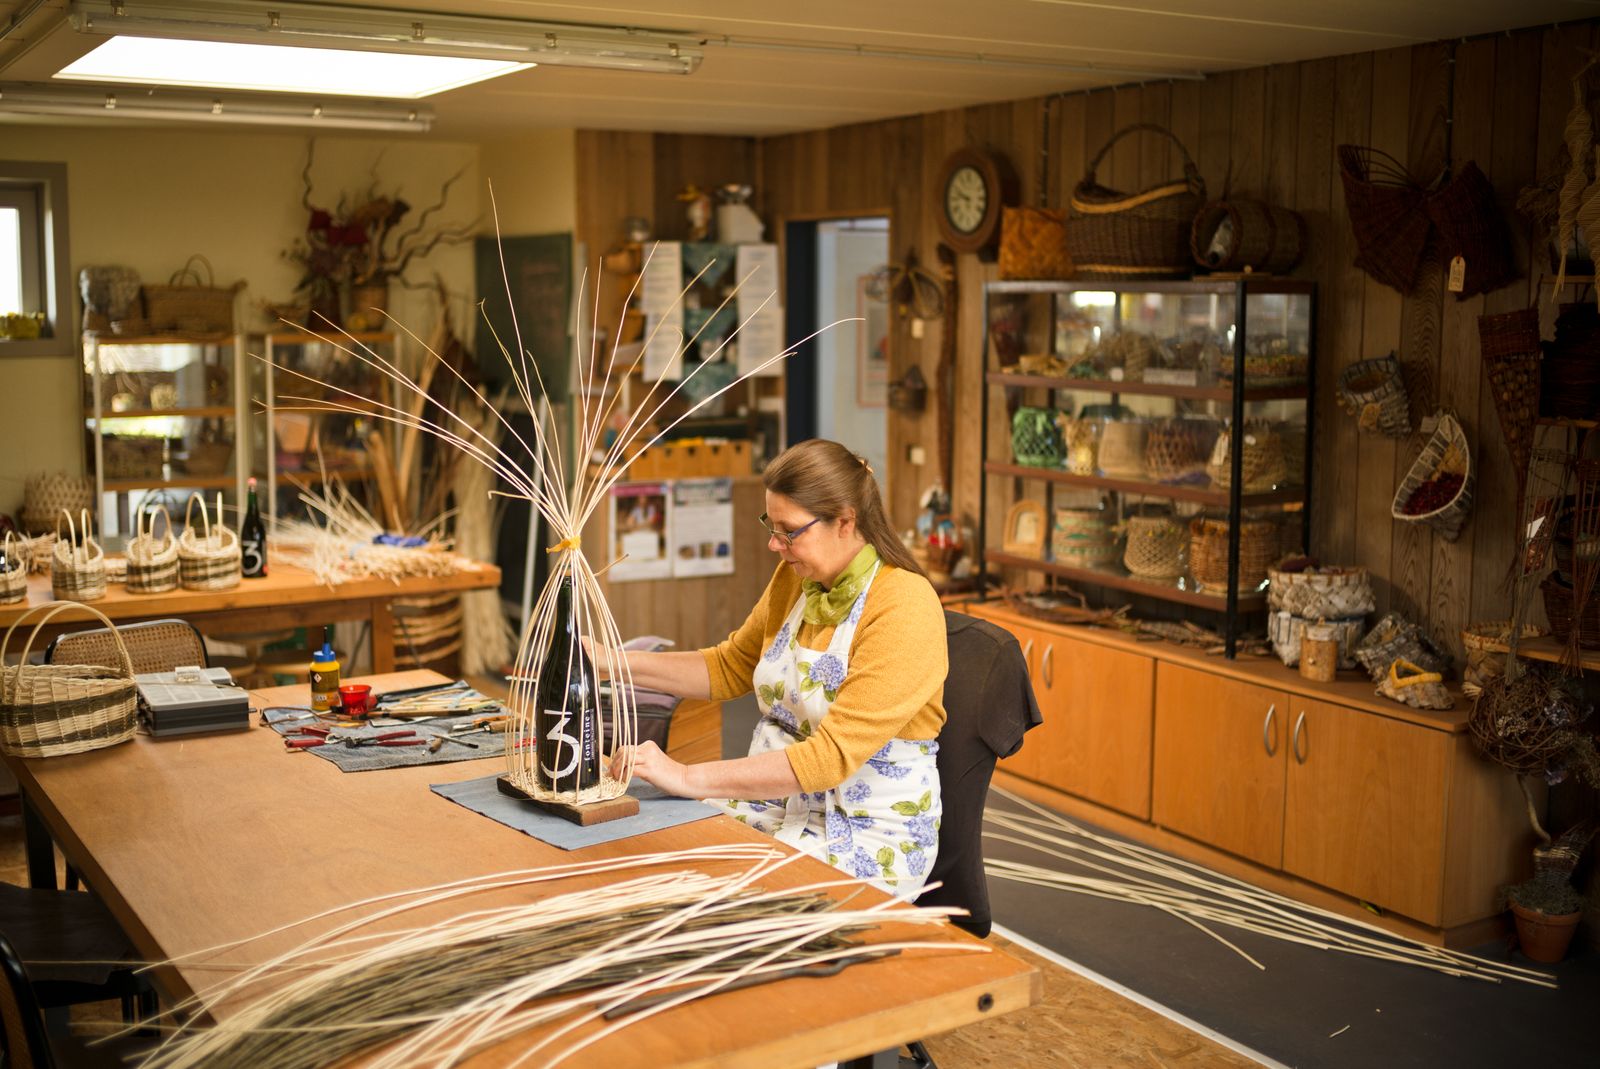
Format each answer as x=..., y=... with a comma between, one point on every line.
x=880, y=825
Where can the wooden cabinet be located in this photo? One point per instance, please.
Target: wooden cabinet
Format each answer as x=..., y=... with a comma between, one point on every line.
x=1365, y=811
x=1219, y=761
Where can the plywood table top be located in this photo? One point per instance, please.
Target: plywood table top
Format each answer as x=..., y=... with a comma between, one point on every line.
x=196, y=842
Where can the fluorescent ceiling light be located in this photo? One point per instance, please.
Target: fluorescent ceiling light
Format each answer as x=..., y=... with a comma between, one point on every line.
x=144, y=102
x=373, y=29
x=279, y=68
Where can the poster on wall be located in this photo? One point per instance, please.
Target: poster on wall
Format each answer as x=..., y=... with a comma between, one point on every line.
x=872, y=347
x=760, y=310
x=640, y=519
x=702, y=527
x=659, y=289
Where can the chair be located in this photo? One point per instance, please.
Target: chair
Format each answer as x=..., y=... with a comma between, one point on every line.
x=27, y=1042
x=153, y=645
x=46, y=925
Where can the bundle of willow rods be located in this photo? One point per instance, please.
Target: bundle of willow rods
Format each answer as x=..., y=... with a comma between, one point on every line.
x=1201, y=898
x=437, y=993
x=340, y=549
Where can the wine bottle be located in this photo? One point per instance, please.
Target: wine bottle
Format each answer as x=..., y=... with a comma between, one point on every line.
x=567, y=709
x=253, y=539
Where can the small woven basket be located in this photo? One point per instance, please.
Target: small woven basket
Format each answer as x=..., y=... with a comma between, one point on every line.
x=210, y=561
x=50, y=710
x=1446, y=455
x=1385, y=207
x=1035, y=439
x=1395, y=638
x=1208, y=552
x=77, y=570
x=1240, y=235
x=1558, y=605
x=1155, y=547
x=1412, y=685
x=152, y=565
x=1321, y=594
x=1122, y=449
x=1264, y=465
x=14, y=565
x=1175, y=450
x=1115, y=235
x=1486, y=657
x=1083, y=538
x=1374, y=391
x=191, y=303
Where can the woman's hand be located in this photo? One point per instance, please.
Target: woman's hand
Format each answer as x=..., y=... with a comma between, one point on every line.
x=602, y=657
x=655, y=768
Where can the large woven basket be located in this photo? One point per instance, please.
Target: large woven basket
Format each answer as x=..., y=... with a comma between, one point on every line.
x=152, y=565
x=78, y=565
x=208, y=561
x=1243, y=234
x=1155, y=547
x=1116, y=235
x=1321, y=594
x=1208, y=552
x=1446, y=455
x=191, y=303
x=1472, y=227
x=1374, y=391
x=45, y=494
x=51, y=710
x=14, y=558
x=1385, y=207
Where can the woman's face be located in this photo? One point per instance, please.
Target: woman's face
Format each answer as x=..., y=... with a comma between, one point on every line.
x=818, y=552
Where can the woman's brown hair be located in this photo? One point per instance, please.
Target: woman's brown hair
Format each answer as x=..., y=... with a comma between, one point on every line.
x=825, y=478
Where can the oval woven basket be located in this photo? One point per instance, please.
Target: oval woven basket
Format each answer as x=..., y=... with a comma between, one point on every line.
x=1374, y=391
x=1446, y=455
x=1176, y=450
x=50, y=710
x=77, y=568
x=210, y=561
x=152, y=565
x=1155, y=547
x=14, y=566
x=1116, y=235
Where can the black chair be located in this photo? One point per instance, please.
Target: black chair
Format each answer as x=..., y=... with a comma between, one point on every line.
x=27, y=1042
x=46, y=926
x=989, y=705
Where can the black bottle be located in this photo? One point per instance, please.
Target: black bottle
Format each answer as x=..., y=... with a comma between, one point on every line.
x=253, y=539
x=567, y=710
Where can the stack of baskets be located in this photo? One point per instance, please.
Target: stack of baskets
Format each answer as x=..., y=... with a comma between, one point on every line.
x=1124, y=236
x=78, y=567
x=1083, y=538
x=46, y=495
x=1208, y=552
x=1264, y=465
x=49, y=710
x=14, y=557
x=209, y=560
x=1155, y=547
x=1339, y=597
x=1374, y=391
x=152, y=565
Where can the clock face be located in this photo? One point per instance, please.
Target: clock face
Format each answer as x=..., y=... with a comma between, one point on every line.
x=966, y=199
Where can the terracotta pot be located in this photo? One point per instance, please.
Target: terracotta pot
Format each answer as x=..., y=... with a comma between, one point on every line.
x=1544, y=937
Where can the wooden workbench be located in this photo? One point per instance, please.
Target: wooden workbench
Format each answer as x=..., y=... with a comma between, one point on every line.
x=287, y=598
x=194, y=842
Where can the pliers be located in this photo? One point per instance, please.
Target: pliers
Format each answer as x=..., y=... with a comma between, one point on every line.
x=388, y=738
x=309, y=735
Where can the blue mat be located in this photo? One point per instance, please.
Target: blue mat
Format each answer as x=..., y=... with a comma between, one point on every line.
x=656, y=811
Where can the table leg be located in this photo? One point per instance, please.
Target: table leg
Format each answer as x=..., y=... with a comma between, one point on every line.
x=382, y=636
x=39, y=848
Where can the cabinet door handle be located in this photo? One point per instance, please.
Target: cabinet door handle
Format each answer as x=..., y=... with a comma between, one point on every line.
x=1047, y=669
x=1027, y=650
x=1267, y=732
x=1299, y=726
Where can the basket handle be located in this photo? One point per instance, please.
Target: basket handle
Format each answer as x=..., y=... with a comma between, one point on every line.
x=55, y=608
x=88, y=539
x=72, y=536
x=12, y=563
x=1190, y=171
x=188, y=271
x=188, y=515
x=148, y=530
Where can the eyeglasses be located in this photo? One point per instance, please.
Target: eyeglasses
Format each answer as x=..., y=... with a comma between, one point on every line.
x=788, y=537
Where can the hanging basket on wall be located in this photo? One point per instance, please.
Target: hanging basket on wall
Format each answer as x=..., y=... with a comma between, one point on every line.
x=1374, y=391
x=1385, y=206
x=1437, y=491
x=1470, y=226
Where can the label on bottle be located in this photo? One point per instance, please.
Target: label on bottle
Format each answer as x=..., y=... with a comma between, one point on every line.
x=252, y=558
x=571, y=745
x=324, y=689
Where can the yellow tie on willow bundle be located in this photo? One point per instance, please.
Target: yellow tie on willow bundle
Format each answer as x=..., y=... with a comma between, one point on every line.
x=829, y=607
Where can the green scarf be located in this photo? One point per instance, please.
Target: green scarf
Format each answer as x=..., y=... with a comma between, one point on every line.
x=829, y=607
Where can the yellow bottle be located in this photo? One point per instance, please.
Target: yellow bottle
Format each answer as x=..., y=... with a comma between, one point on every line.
x=324, y=678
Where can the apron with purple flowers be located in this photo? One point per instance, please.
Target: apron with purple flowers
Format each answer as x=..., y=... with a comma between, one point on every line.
x=880, y=825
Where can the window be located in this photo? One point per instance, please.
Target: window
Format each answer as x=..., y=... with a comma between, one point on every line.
x=34, y=273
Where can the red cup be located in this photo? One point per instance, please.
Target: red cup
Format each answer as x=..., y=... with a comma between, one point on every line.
x=356, y=698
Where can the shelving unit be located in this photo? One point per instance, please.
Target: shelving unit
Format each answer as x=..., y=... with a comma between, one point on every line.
x=192, y=374
x=1210, y=321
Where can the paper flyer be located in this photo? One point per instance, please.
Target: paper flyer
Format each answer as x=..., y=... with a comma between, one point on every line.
x=761, y=337
x=641, y=516
x=702, y=527
x=659, y=289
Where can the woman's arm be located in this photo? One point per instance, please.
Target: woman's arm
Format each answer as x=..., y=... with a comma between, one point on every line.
x=681, y=674
x=764, y=775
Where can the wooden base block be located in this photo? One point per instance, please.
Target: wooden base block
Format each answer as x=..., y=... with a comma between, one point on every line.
x=583, y=815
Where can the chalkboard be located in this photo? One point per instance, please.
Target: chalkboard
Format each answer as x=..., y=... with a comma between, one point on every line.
x=538, y=273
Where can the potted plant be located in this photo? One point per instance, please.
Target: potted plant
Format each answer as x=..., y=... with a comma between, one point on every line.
x=1531, y=723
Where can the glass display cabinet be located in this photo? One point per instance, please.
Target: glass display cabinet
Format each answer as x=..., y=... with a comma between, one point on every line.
x=1117, y=466
x=161, y=415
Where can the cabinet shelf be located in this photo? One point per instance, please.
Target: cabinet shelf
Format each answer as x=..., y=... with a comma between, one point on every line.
x=312, y=476
x=1148, y=389
x=1197, y=494
x=1118, y=579
x=209, y=412
x=1548, y=648
x=198, y=482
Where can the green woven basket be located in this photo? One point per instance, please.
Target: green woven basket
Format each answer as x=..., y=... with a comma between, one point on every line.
x=1035, y=438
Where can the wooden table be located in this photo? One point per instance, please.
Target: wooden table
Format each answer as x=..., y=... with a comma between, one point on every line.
x=194, y=842
x=287, y=598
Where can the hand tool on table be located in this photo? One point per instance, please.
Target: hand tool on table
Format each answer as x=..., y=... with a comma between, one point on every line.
x=438, y=741
x=305, y=737
x=388, y=738
x=497, y=724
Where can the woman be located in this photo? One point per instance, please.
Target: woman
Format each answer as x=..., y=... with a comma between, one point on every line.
x=846, y=654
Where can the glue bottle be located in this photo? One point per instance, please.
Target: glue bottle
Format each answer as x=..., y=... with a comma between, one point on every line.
x=324, y=677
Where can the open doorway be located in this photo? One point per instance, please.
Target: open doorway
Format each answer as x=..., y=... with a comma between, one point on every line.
x=838, y=384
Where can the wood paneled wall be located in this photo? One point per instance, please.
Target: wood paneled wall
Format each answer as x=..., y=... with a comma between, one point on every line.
x=1271, y=132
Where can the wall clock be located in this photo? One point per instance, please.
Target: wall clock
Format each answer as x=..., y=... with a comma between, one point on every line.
x=973, y=185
